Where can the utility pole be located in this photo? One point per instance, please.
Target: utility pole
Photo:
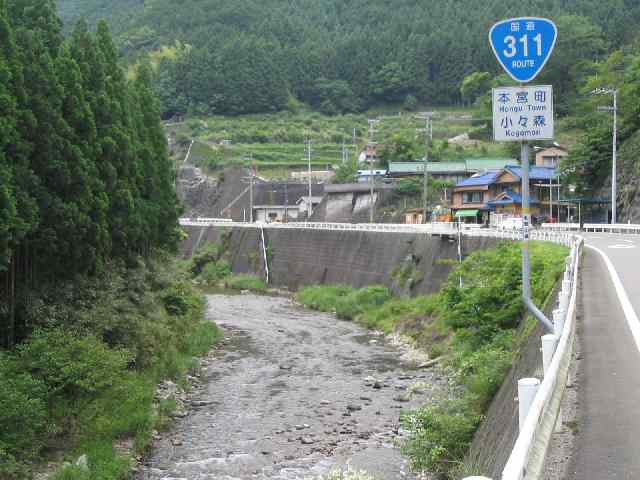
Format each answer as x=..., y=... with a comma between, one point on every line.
x=251, y=175
x=614, y=180
x=428, y=140
x=309, y=163
x=371, y=144
x=286, y=203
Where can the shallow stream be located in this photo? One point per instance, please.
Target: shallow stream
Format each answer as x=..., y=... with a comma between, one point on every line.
x=291, y=394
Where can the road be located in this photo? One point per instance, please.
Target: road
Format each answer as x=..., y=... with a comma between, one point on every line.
x=607, y=444
x=291, y=394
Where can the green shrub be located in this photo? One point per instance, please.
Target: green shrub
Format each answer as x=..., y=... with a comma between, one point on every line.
x=214, y=272
x=358, y=301
x=322, y=297
x=440, y=435
x=10, y=468
x=181, y=299
x=246, y=282
x=476, y=321
x=346, y=301
x=23, y=415
x=104, y=464
x=209, y=253
x=394, y=311
x=71, y=366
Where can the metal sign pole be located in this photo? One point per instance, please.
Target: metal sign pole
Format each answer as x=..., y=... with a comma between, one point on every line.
x=526, y=215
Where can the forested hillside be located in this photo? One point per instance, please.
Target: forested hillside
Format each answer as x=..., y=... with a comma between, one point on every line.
x=85, y=176
x=250, y=56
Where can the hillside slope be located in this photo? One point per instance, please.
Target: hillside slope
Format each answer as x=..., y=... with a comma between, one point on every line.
x=335, y=55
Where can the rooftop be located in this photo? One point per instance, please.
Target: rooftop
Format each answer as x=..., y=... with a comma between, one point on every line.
x=468, y=165
x=281, y=193
x=486, y=178
x=509, y=197
x=535, y=173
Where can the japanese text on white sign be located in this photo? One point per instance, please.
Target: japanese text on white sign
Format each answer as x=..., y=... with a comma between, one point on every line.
x=523, y=113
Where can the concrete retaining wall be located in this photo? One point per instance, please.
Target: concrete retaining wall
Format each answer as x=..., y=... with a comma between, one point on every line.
x=304, y=257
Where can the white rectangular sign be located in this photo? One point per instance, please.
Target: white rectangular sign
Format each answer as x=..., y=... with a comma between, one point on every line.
x=523, y=113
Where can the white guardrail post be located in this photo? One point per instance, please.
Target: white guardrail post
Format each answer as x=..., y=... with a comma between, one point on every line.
x=527, y=390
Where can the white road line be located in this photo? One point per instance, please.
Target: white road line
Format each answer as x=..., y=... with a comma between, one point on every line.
x=629, y=312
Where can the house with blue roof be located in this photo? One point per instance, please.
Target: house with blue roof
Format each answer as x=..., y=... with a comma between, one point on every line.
x=499, y=191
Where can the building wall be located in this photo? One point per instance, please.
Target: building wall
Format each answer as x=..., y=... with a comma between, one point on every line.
x=556, y=154
x=263, y=214
x=458, y=198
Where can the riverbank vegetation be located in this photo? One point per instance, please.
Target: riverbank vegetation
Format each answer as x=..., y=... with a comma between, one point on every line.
x=474, y=323
x=210, y=267
x=85, y=380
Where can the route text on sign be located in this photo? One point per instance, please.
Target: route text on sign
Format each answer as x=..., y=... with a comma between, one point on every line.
x=523, y=45
x=523, y=113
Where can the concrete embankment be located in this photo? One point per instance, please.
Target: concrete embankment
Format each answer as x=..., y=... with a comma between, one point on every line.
x=405, y=262
x=497, y=435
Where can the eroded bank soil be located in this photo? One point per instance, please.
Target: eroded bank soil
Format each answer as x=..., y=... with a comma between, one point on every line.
x=290, y=395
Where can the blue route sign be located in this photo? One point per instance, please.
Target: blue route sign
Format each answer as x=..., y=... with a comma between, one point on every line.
x=523, y=45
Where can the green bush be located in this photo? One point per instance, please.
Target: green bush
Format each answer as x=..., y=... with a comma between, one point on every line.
x=23, y=415
x=322, y=297
x=181, y=299
x=214, y=272
x=440, y=435
x=348, y=307
x=391, y=313
x=71, y=366
x=10, y=468
x=209, y=253
x=246, y=282
x=104, y=464
x=89, y=378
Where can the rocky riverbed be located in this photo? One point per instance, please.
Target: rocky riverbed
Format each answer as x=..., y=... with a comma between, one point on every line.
x=292, y=394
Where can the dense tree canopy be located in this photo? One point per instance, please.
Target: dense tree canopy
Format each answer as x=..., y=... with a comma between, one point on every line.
x=84, y=171
x=337, y=55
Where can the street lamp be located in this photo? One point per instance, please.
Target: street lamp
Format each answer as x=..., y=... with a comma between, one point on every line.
x=572, y=189
x=614, y=109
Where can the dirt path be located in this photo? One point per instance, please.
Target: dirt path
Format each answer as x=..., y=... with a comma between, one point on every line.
x=291, y=395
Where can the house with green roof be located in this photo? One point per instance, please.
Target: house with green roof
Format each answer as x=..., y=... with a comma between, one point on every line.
x=454, y=171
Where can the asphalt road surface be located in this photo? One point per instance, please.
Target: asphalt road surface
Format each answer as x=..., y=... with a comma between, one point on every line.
x=607, y=445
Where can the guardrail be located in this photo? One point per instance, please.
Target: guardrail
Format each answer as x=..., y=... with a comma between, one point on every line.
x=592, y=227
x=434, y=228
x=612, y=228
x=561, y=227
x=539, y=412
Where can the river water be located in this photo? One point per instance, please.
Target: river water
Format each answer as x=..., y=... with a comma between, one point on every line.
x=291, y=394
